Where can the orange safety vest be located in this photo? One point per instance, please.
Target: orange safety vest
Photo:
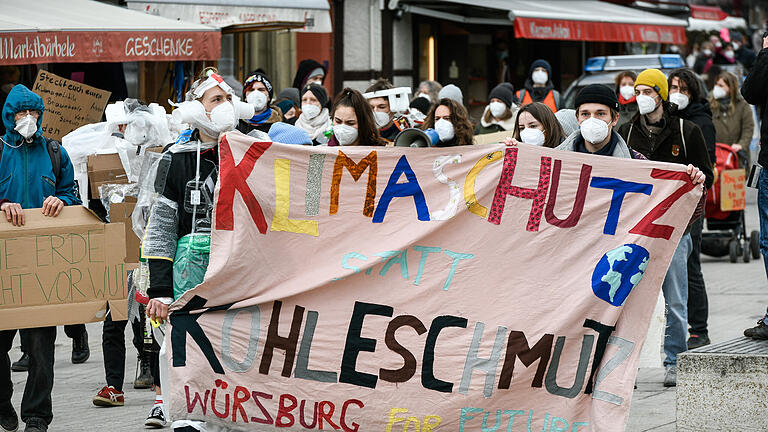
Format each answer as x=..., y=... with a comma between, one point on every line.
x=548, y=101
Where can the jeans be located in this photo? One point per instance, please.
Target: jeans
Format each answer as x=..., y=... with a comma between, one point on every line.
x=675, y=289
x=113, y=345
x=36, y=402
x=762, y=208
x=698, y=305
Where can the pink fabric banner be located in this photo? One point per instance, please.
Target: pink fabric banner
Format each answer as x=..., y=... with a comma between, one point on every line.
x=398, y=289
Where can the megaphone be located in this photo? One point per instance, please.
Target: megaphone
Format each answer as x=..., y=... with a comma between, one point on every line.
x=413, y=137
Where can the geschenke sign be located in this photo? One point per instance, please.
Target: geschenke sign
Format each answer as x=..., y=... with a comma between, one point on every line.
x=388, y=289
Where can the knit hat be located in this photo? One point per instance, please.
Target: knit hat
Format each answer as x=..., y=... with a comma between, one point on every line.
x=260, y=76
x=567, y=119
x=540, y=63
x=306, y=68
x=285, y=105
x=598, y=93
x=451, y=92
x=503, y=93
x=287, y=134
x=290, y=93
x=422, y=104
x=654, y=79
x=318, y=91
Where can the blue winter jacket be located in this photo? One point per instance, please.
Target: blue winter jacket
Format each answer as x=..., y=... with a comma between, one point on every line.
x=26, y=171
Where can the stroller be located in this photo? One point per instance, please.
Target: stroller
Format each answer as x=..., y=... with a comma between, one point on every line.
x=726, y=230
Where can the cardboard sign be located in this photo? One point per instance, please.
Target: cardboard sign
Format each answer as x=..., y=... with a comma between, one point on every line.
x=457, y=288
x=68, y=104
x=732, y=190
x=493, y=138
x=105, y=169
x=60, y=270
x=121, y=213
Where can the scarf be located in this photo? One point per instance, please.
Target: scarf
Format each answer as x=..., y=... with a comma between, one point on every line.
x=260, y=119
x=316, y=126
x=626, y=101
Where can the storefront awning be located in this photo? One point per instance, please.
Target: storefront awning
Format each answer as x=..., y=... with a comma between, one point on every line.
x=577, y=20
x=303, y=15
x=87, y=31
x=695, y=24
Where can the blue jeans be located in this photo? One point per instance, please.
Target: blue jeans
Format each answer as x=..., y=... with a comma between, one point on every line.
x=762, y=209
x=675, y=289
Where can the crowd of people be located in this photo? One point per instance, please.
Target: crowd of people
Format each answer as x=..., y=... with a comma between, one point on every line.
x=646, y=115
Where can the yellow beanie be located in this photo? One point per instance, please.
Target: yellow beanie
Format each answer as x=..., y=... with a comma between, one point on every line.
x=654, y=79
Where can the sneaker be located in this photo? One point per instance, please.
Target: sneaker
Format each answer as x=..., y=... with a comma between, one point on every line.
x=109, y=397
x=22, y=364
x=697, y=341
x=670, y=378
x=144, y=379
x=156, y=418
x=9, y=422
x=760, y=331
x=80, y=350
x=36, y=425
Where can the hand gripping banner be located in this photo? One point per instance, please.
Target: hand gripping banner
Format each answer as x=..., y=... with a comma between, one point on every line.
x=468, y=288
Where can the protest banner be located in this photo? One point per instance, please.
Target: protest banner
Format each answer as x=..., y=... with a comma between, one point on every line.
x=388, y=289
x=68, y=104
x=60, y=270
x=732, y=190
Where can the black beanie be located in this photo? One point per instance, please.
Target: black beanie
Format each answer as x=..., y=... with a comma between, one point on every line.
x=422, y=104
x=598, y=93
x=541, y=63
x=319, y=92
x=503, y=92
x=260, y=76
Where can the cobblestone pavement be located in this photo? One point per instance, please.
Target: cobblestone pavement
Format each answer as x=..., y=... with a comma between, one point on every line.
x=737, y=299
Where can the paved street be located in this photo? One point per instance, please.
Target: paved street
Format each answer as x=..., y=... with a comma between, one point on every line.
x=737, y=296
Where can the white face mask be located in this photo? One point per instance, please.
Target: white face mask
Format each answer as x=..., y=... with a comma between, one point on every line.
x=497, y=109
x=532, y=136
x=719, y=92
x=594, y=131
x=539, y=77
x=257, y=99
x=707, y=52
x=310, y=111
x=424, y=95
x=444, y=130
x=223, y=117
x=679, y=99
x=729, y=55
x=344, y=134
x=736, y=46
x=382, y=118
x=26, y=126
x=645, y=104
x=627, y=91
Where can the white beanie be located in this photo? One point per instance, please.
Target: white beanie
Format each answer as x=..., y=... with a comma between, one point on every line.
x=567, y=119
x=451, y=92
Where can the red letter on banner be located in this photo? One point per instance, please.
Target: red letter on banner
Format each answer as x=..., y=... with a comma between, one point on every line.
x=538, y=195
x=646, y=226
x=232, y=178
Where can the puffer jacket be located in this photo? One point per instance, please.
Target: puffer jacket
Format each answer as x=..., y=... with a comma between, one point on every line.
x=26, y=171
x=734, y=125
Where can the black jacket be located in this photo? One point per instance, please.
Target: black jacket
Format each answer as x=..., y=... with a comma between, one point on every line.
x=181, y=171
x=755, y=91
x=668, y=146
x=700, y=113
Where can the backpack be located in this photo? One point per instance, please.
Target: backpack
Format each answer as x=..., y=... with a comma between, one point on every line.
x=54, y=152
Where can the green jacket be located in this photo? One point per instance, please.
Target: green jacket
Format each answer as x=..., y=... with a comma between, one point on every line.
x=733, y=125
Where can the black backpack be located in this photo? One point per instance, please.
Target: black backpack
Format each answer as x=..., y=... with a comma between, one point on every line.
x=54, y=152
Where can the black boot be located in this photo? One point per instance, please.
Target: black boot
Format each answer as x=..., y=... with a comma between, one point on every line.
x=80, y=350
x=144, y=378
x=760, y=331
x=22, y=365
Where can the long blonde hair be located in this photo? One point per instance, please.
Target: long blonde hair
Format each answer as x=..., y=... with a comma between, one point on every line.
x=733, y=92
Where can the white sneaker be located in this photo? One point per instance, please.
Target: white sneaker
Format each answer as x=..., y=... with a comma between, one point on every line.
x=156, y=418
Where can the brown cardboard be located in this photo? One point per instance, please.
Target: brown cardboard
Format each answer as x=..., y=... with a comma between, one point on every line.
x=121, y=213
x=105, y=169
x=60, y=270
x=68, y=104
x=493, y=138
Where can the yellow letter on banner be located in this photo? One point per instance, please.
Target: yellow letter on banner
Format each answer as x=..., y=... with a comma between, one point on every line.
x=281, y=222
x=469, y=184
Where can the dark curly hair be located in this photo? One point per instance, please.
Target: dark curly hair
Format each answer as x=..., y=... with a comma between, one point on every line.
x=462, y=128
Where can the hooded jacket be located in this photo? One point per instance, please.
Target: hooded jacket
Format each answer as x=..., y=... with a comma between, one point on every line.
x=26, y=170
x=302, y=73
x=539, y=94
x=734, y=126
x=755, y=91
x=699, y=113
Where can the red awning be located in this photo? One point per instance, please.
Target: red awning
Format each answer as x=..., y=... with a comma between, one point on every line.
x=541, y=28
x=713, y=13
x=87, y=31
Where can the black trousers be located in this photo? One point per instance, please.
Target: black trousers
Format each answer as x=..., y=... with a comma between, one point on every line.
x=698, y=305
x=36, y=402
x=71, y=330
x=113, y=345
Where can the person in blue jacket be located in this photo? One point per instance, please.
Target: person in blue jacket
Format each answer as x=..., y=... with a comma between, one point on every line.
x=30, y=178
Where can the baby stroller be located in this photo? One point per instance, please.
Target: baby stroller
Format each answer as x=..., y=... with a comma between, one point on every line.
x=726, y=230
